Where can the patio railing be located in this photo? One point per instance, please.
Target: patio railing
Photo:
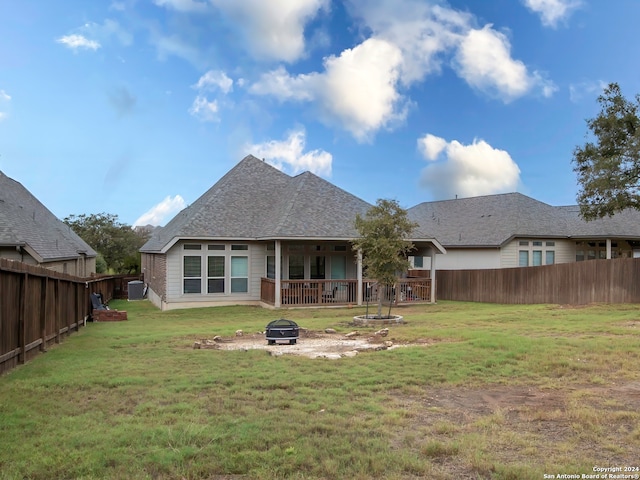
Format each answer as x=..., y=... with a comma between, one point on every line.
x=296, y=293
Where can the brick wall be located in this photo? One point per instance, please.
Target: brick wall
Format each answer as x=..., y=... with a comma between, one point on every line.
x=109, y=315
x=154, y=268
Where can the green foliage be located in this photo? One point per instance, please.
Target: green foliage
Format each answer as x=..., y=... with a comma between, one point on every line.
x=608, y=169
x=384, y=243
x=101, y=264
x=116, y=242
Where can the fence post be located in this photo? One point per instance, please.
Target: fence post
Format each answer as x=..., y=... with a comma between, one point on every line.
x=22, y=315
x=43, y=314
x=58, y=313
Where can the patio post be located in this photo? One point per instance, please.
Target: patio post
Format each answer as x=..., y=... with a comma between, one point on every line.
x=359, y=276
x=278, y=293
x=432, y=253
x=608, y=249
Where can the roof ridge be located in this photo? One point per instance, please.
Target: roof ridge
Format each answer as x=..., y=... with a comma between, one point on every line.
x=289, y=205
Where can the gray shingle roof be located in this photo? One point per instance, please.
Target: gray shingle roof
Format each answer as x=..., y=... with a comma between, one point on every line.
x=24, y=221
x=257, y=201
x=492, y=220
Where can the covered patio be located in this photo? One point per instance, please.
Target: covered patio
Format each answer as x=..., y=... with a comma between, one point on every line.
x=314, y=274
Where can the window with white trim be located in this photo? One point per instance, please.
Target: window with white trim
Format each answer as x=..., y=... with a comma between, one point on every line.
x=215, y=274
x=523, y=258
x=192, y=269
x=239, y=274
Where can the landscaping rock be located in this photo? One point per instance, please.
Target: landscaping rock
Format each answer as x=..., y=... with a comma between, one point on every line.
x=352, y=334
x=382, y=333
x=329, y=330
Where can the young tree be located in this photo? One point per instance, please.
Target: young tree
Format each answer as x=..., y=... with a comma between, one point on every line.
x=608, y=169
x=384, y=243
x=117, y=242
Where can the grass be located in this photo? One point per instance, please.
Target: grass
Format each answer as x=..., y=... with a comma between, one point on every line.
x=497, y=392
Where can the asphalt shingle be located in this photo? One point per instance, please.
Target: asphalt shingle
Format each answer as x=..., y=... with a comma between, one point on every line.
x=25, y=221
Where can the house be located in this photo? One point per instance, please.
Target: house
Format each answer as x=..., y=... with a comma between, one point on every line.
x=261, y=237
x=513, y=230
x=30, y=233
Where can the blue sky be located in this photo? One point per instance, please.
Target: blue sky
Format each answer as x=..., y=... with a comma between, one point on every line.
x=137, y=107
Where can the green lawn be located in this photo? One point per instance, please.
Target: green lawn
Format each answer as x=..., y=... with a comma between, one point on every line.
x=495, y=391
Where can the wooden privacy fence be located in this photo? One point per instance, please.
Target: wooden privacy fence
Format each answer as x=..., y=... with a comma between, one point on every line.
x=38, y=307
x=605, y=281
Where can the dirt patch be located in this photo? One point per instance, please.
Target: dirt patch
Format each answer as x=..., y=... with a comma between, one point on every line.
x=313, y=344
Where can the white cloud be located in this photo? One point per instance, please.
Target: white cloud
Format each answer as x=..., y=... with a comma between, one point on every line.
x=168, y=45
x=278, y=83
x=361, y=89
x=214, y=79
x=4, y=98
x=76, y=42
x=358, y=89
x=578, y=91
x=204, y=110
x=467, y=170
x=421, y=30
x=290, y=153
x=105, y=31
x=484, y=61
x=273, y=29
x=182, y=5
x=552, y=11
x=163, y=211
x=431, y=146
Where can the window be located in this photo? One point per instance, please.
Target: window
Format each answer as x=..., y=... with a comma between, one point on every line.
x=551, y=244
x=215, y=274
x=579, y=255
x=239, y=274
x=418, y=262
x=296, y=267
x=338, y=267
x=537, y=257
x=524, y=243
x=192, y=274
x=537, y=243
x=215, y=247
x=192, y=246
x=239, y=247
x=338, y=248
x=271, y=266
x=317, y=267
x=550, y=257
x=523, y=258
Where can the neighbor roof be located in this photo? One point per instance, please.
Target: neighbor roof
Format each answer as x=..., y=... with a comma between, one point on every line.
x=492, y=220
x=256, y=201
x=25, y=222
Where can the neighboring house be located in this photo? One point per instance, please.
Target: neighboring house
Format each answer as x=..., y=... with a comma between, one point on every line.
x=259, y=236
x=30, y=233
x=513, y=230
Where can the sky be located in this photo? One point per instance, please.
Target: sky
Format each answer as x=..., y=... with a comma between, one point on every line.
x=137, y=107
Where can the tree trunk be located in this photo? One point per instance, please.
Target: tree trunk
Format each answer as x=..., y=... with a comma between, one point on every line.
x=382, y=290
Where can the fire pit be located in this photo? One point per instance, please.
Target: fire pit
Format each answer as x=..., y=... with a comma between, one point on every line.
x=282, y=330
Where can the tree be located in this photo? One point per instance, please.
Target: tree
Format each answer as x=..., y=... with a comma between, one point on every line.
x=608, y=169
x=116, y=242
x=384, y=243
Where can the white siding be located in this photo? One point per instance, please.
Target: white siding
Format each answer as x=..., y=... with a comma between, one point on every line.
x=465, y=259
x=565, y=251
